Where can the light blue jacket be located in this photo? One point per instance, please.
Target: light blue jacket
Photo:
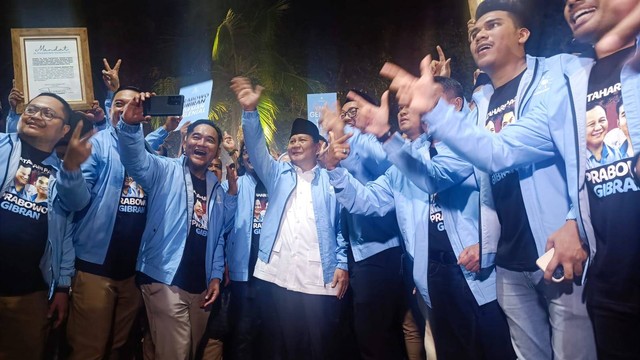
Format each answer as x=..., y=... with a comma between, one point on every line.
x=556, y=124
x=451, y=178
x=239, y=240
x=57, y=264
x=94, y=193
x=11, y=124
x=569, y=137
x=167, y=182
x=541, y=170
x=157, y=137
x=280, y=179
x=367, y=160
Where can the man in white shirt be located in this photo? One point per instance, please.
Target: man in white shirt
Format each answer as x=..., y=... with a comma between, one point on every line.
x=302, y=254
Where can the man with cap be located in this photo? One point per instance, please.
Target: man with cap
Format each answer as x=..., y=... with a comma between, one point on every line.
x=302, y=254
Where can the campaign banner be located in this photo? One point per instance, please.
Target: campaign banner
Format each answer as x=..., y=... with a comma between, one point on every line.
x=315, y=103
x=197, y=99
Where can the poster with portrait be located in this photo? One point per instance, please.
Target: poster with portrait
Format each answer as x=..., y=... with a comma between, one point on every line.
x=53, y=60
x=28, y=191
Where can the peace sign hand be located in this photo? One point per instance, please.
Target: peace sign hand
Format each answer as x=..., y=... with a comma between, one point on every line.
x=111, y=76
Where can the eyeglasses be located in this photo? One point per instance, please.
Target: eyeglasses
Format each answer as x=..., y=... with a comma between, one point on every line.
x=352, y=112
x=47, y=113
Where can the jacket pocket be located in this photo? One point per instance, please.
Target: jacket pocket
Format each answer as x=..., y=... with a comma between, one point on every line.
x=314, y=274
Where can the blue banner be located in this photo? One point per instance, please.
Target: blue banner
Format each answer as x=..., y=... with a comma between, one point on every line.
x=315, y=103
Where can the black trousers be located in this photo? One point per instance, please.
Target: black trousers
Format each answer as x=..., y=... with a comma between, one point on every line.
x=253, y=325
x=615, y=315
x=378, y=304
x=461, y=328
x=309, y=324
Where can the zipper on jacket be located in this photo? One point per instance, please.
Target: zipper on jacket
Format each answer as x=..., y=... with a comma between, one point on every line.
x=6, y=170
x=535, y=71
x=577, y=147
x=479, y=222
x=283, y=209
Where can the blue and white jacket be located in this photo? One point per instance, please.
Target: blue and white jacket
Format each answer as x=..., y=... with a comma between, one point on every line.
x=280, y=179
x=541, y=169
x=94, y=193
x=451, y=178
x=57, y=264
x=367, y=160
x=167, y=182
x=238, y=248
x=569, y=137
x=554, y=124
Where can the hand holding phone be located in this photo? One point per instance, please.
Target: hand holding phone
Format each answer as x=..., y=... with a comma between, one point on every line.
x=543, y=261
x=164, y=105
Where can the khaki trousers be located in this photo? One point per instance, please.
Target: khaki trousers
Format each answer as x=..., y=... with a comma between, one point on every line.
x=101, y=315
x=176, y=321
x=23, y=326
x=413, y=341
x=429, y=343
x=213, y=350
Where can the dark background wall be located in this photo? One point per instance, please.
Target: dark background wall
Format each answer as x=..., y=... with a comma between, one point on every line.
x=338, y=43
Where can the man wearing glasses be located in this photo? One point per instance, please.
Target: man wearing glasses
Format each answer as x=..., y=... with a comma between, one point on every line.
x=36, y=258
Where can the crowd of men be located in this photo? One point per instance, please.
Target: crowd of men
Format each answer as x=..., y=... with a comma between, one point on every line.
x=370, y=240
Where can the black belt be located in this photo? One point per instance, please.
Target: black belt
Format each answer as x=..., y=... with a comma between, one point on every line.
x=443, y=257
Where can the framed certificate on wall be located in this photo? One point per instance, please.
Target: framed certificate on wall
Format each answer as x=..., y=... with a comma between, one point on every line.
x=53, y=60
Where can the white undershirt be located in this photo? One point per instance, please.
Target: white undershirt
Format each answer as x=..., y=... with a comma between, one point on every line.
x=295, y=262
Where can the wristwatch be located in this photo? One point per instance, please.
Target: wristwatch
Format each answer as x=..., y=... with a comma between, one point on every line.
x=385, y=136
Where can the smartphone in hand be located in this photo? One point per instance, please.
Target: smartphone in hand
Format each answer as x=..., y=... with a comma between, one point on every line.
x=543, y=261
x=164, y=105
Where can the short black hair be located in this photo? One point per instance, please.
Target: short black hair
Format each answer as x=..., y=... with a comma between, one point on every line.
x=450, y=86
x=68, y=111
x=619, y=103
x=197, y=123
x=518, y=9
x=123, y=88
x=362, y=94
x=592, y=105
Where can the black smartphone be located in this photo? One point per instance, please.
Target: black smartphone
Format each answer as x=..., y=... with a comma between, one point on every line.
x=163, y=105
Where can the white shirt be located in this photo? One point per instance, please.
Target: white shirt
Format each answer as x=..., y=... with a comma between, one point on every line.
x=295, y=262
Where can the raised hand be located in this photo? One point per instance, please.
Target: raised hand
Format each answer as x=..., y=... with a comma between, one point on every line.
x=232, y=179
x=442, y=66
x=336, y=151
x=171, y=123
x=78, y=149
x=133, y=112
x=95, y=114
x=228, y=143
x=623, y=34
x=111, y=76
x=419, y=94
x=330, y=120
x=248, y=97
x=376, y=117
x=16, y=96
